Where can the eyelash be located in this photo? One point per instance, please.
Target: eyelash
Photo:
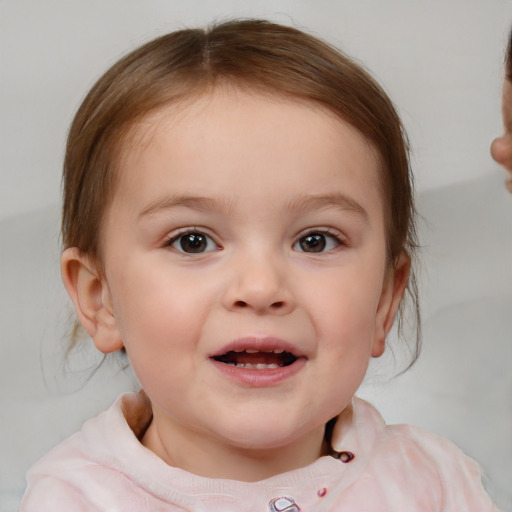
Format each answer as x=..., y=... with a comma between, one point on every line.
x=325, y=234
x=173, y=239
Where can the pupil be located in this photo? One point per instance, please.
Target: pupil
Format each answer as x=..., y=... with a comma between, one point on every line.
x=313, y=243
x=193, y=242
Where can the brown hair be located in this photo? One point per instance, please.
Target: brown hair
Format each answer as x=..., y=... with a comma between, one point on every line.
x=253, y=54
x=508, y=59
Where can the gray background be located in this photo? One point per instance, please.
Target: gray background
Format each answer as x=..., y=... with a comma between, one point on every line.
x=441, y=63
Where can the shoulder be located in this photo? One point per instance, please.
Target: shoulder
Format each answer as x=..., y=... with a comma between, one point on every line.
x=83, y=449
x=457, y=477
x=57, y=482
x=418, y=446
x=75, y=474
x=47, y=493
x=431, y=453
x=429, y=450
x=409, y=463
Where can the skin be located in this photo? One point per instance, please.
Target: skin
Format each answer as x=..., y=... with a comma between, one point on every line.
x=256, y=175
x=501, y=147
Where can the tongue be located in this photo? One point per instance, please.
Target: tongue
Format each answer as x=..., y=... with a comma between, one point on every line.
x=280, y=359
x=257, y=358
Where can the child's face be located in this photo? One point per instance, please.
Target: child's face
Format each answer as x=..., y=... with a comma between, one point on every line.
x=244, y=226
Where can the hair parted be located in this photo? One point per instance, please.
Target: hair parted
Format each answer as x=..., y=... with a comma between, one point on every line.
x=253, y=55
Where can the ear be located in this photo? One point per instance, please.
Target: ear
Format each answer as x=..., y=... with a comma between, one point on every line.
x=392, y=292
x=91, y=297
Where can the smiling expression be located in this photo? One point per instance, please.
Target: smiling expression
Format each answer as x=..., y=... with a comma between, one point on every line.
x=244, y=258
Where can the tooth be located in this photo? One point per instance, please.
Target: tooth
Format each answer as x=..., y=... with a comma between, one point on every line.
x=272, y=366
x=251, y=351
x=251, y=366
x=276, y=351
x=261, y=366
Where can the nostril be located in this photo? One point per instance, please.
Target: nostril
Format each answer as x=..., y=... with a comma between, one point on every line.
x=277, y=305
x=240, y=304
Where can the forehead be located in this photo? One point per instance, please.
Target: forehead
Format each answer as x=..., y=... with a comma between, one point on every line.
x=235, y=134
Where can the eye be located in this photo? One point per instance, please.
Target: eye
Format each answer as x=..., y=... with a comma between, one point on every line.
x=317, y=242
x=192, y=242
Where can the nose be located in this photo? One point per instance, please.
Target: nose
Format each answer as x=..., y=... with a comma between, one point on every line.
x=259, y=284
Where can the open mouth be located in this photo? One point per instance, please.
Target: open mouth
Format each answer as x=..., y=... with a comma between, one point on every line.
x=256, y=359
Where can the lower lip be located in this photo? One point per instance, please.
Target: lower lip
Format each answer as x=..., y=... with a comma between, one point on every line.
x=260, y=378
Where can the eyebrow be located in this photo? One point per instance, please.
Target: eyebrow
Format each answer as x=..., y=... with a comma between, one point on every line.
x=304, y=204
x=199, y=203
x=308, y=203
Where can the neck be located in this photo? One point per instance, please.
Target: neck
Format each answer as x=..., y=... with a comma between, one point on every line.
x=206, y=456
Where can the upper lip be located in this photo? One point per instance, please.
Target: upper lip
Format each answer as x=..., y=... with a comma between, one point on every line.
x=259, y=344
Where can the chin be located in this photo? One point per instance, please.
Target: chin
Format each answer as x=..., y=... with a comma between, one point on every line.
x=271, y=435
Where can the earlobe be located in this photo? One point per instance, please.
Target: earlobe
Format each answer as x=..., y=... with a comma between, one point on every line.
x=91, y=297
x=391, y=297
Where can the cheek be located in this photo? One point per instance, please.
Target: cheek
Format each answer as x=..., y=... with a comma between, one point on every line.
x=346, y=309
x=161, y=331
x=155, y=308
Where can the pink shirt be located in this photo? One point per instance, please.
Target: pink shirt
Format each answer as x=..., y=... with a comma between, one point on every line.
x=399, y=468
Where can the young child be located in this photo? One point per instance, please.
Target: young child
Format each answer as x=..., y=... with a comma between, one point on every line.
x=238, y=217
